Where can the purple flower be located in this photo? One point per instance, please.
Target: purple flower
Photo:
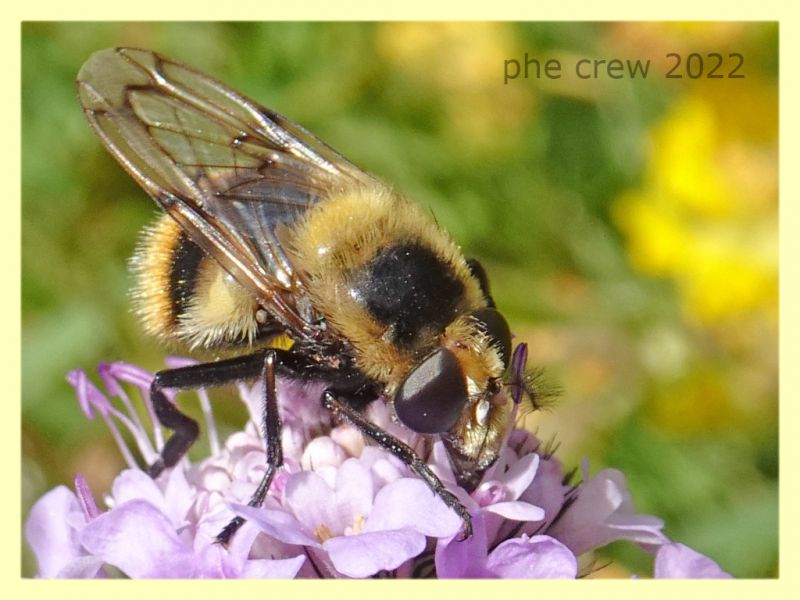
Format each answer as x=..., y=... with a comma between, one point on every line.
x=138, y=537
x=676, y=561
x=357, y=522
x=164, y=552
x=53, y=531
x=539, y=556
x=603, y=512
x=338, y=507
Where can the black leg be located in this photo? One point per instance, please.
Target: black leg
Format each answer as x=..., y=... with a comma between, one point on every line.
x=401, y=451
x=265, y=363
x=272, y=434
x=479, y=273
x=192, y=377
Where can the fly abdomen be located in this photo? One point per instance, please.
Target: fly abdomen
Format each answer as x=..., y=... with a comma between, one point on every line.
x=183, y=295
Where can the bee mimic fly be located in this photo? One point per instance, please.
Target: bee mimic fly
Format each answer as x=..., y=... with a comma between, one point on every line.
x=267, y=231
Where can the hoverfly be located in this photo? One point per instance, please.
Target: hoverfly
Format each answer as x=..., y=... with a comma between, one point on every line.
x=268, y=231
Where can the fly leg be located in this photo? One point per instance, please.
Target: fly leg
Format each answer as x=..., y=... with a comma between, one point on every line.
x=192, y=377
x=271, y=430
x=330, y=400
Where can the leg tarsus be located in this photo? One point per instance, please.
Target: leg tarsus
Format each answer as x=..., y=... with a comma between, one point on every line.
x=155, y=469
x=224, y=537
x=185, y=430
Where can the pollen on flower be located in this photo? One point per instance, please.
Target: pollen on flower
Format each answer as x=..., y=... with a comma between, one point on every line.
x=323, y=533
x=358, y=524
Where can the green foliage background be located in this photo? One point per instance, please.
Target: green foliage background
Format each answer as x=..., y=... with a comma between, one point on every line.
x=530, y=176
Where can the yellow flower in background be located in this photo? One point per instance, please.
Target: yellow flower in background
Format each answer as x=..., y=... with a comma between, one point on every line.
x=707, y=216
x=698, y=402
x=453, y=56
x=462, y=64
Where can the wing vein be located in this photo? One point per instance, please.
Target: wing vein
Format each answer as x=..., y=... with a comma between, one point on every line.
x=229, y=171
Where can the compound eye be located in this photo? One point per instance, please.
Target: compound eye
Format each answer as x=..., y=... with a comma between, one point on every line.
x=433, y=396
x=496, y=327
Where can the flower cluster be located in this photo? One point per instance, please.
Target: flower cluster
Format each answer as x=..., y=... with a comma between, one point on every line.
x=706, y=216
x=338, y=508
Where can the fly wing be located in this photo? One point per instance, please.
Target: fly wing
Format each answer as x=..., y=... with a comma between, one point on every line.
x=229, y=171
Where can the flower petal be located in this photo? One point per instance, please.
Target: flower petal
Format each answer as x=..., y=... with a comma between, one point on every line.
x=322, y=451
x=603, y=513
x=408, y=503
x=84, y=567
x=365, y=554
x=314, y=503
x=516, y=511
x=49, y=534
x=457, y=558
x=133, y=484
x=354, y=491
x=547, y=489
x=306, y=494
x=286, y=568
x=520, y=475
x=676, y=561
x=178, y=495
x=236, y=556
x=385, y=468
x=440, y=464
x=174, y=501
x=643, y=529
x=537, y=557
x=140, y=540
x=276, y=523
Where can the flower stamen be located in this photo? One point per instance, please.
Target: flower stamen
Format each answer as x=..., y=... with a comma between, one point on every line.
x=323, y=533
x=358, y=524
